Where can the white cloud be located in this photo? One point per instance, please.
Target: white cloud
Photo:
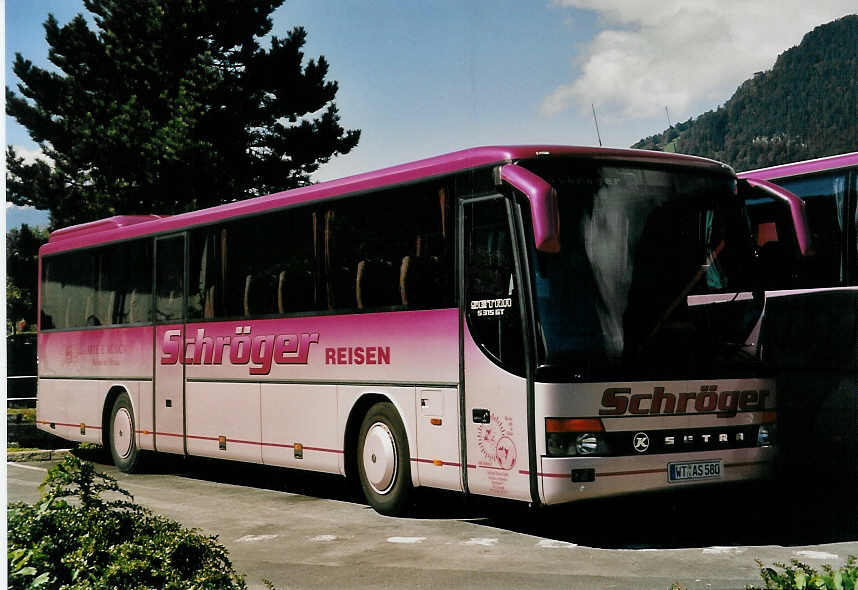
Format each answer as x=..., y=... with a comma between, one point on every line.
x=681, y=53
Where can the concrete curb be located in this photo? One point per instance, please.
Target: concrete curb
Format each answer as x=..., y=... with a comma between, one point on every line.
x=48, y=455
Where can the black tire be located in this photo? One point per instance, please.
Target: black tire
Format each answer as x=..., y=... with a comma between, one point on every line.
x=385, y=473
x=121, y=437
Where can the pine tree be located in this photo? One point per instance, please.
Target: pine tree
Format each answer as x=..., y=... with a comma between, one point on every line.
x=169, y=106
x=22, y=272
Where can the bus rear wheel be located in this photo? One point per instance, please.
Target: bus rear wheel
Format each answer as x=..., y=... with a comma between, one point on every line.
x=122, y=437
x=384, y=465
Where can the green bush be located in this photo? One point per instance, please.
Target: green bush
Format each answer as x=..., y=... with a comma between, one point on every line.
x=799, y=576
x=21, y=415
x=86, y=532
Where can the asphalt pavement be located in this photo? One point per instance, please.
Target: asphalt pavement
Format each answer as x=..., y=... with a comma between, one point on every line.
x=303, y=530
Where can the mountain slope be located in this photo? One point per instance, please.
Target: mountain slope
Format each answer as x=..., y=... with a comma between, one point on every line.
x=805, y=107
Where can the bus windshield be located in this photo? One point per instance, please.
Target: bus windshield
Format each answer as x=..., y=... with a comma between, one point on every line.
x=654, y=277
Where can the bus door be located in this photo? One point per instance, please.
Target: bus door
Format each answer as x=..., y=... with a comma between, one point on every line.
x=494, y=354
x=169, y=344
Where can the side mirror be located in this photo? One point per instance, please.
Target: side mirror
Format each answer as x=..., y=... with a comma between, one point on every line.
x=543, y=205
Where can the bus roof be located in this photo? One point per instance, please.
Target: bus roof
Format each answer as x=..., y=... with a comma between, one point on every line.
x=130, y=226
x=804, y=167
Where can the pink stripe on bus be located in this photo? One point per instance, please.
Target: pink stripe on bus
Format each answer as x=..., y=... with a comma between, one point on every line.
x=432, y=461
x=48, y=422
x=804, y=167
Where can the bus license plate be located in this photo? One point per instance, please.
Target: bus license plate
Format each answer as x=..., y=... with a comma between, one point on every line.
x=694, y=471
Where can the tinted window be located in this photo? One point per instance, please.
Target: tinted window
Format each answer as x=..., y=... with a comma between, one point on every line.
x=169, y=279
x=825, y=204
x=266, y=265
x=128, y=277
x=97, y=287
x=68, y=289
x=390, y=250
x=771, y=229
x=643, y=251
x=491, y=286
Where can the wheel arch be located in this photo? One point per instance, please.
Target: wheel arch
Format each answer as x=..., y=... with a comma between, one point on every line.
x=352, y=430
x=112, y=394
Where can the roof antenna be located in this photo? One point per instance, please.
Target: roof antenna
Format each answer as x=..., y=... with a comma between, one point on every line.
x=596, y=121
x=667, y=114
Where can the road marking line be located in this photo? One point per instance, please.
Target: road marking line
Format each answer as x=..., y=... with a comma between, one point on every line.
x=480, y=541
x=817, y=555
x=717, y=550
x=255, y=538
x=25, y=466
x=552, y=544
x=323, y=538
x=406, y=540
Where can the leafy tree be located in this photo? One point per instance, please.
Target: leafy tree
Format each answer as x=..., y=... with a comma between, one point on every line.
x=22, y=268
x=168, y=106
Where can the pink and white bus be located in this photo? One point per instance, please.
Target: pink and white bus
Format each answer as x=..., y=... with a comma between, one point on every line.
x=810, y=326
x=542, y=323
x=826, y=193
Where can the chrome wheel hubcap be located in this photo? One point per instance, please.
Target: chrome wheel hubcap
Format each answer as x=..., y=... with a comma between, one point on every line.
x=123, y=432
x=379, y=458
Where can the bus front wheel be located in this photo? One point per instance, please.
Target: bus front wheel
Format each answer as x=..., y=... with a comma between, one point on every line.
x=123, y=441
x=383, y=461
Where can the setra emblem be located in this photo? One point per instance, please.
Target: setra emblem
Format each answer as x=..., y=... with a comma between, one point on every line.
x=641, y=442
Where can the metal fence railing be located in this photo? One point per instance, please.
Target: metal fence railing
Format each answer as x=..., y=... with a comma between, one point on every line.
x=21, y=391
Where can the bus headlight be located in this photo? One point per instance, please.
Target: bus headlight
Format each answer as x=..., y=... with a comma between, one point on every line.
x=767, y=434
x=571, y=437
x=587, y=443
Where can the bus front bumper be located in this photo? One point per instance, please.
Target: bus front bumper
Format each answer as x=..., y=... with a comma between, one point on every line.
x=566, y=479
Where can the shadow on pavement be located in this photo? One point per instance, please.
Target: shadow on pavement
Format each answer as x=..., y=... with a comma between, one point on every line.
x=767, y=513
x=738, y=515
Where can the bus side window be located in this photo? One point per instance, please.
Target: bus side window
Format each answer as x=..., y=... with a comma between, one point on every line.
x=256, y=267
x=491, y=289
x=825, y=199
x=770, y=227
x=389, y=251
x=170, y=273
x=124, y=289
x=203, y=267
x=425, y=272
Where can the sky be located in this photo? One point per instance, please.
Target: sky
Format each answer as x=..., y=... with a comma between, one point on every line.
x=422, y=78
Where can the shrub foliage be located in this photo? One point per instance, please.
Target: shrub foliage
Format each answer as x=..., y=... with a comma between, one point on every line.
x=800, y=576
x=86, y=532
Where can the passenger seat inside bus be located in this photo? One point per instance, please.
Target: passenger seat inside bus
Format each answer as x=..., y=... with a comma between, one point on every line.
x=375, y=283
x=259, y=294
x=296, y=289
x=419, y=276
